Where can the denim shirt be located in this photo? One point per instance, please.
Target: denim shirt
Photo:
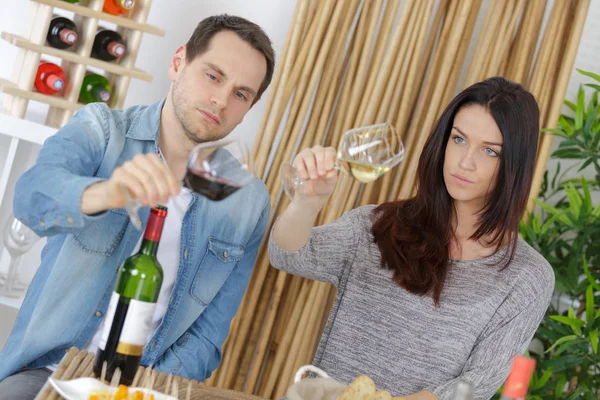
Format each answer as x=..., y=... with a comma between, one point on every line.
x=70, y=292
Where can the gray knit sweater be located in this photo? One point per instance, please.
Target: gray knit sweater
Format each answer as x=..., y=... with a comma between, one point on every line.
x=403, y=341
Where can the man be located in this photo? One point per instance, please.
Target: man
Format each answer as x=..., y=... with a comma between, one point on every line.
x=74, y=196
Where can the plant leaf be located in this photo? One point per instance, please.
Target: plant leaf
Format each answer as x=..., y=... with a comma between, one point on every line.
x=560, y=386
x=543, y=379
x=560, y=215
x=587, y=129
x=575, y=201
x=587, y=272
x=574, y=323
x=596, y=211
x=580, y=109
x=558, y=166
x=565, y=124
x=586, y=163
x=587, y=198
x=571, y=105
x=593, y=86
x=589, y=305
x=590, y=74
x=569, y=153
x=562, y=340
x=594, y=339
x=565, y=346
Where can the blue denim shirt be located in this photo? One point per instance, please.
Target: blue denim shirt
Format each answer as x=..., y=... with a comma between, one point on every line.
x=70, y=292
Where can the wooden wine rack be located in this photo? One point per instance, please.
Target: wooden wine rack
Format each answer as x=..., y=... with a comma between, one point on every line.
x=19, y=91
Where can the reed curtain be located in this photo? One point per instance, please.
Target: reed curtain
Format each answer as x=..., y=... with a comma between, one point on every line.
x=348, y=63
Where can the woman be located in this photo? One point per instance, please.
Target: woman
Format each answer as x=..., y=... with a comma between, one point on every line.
x=437, y=288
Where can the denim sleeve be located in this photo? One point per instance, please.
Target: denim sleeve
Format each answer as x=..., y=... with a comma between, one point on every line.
x=199, y=352
x=48, y=195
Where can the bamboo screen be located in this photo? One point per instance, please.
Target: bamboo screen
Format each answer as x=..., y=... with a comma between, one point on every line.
x=348, y=63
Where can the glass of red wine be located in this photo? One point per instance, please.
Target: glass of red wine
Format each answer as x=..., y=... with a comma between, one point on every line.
x=215, y=170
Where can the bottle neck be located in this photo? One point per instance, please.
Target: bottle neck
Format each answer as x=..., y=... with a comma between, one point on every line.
x=101, y=94
x=153, y=232
x=126, y=4
x=149, y=247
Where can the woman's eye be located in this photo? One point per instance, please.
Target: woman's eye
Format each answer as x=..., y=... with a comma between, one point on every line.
x=490, y=152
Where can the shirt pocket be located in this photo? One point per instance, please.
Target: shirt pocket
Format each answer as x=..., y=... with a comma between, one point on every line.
x=216, y=266
x=105, y=234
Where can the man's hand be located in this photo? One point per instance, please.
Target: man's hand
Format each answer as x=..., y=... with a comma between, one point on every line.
x=146, y=178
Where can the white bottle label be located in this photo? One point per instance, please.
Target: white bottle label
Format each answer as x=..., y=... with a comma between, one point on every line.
x=108, y=320
x=138, y=322
x=136, y=328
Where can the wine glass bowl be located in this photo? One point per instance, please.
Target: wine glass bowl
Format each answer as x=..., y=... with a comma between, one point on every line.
x=215, y=170
x=365, y=153
x=219, y=169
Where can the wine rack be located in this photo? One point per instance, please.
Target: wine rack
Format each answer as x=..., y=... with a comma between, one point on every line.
x=88, y=14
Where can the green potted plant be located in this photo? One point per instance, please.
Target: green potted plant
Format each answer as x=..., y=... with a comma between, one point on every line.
x=565, y=229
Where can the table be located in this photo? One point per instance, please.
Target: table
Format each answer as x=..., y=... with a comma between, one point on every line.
x=78, y=364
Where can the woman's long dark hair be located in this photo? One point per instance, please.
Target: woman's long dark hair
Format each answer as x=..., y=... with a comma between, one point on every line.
x=414, y=235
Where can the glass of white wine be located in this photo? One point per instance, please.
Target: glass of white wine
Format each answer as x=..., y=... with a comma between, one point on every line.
x=366, y=153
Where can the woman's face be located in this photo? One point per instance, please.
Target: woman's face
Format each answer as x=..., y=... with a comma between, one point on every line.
x=472, y=158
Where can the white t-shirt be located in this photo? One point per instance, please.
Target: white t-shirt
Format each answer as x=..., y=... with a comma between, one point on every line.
x=168, y=257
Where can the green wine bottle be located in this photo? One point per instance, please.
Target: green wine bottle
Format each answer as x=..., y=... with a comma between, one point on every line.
x=95, y=88
x=131, y=309
x=73, y=1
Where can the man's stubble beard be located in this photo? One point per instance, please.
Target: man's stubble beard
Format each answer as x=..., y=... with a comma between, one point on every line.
x=179, y=105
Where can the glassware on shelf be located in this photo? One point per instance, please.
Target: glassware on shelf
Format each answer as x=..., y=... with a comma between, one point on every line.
x=18, y=239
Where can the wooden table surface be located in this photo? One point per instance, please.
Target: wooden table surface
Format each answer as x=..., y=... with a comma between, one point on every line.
x=78, y=364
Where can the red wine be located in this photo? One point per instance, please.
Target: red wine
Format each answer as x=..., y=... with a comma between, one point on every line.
x=108, y=45
x=62, y=33
x=211, y=187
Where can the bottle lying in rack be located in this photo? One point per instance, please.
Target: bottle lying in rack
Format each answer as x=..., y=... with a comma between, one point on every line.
x=49, y=79
x=62, y=33
x=128, y=321
x=108, y=45
x=118, y=7
x=95, y=88
x=73, y=1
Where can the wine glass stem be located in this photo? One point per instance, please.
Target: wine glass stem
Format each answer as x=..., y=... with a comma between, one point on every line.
x=10, y=276
x=132, y=206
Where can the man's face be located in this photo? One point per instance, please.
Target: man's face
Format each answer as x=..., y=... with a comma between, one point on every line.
x=212, y=93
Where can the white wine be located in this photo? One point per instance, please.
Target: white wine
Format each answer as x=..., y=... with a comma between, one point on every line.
x=364, y=172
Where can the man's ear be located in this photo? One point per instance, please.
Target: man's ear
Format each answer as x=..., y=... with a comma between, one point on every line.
x=177, y=62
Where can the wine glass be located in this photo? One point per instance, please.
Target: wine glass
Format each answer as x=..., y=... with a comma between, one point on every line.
x=366, y=153
x=18, y=239
x=215, y=170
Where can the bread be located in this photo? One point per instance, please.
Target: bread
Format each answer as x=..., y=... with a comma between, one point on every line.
x=362, y=388
x=381, y=395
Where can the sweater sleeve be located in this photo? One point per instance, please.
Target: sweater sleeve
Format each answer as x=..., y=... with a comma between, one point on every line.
x=330, y=249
